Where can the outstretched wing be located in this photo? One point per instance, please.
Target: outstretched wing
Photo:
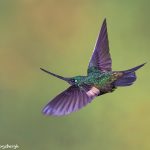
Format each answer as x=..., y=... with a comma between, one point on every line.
x=101, y=58
x=70, y=100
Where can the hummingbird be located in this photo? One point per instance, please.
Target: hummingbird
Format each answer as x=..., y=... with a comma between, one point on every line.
x=100, y=79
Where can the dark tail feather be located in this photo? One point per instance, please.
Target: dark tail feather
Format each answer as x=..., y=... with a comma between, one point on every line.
x=128, y=77
x=133, y=69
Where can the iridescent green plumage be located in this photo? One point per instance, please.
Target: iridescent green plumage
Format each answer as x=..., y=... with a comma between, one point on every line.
x=96, y=78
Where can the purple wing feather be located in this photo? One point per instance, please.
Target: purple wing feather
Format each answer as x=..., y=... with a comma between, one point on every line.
x=71, y=100
x=101, y=58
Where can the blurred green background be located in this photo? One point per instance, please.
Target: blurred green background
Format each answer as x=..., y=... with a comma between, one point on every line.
x=60, y=36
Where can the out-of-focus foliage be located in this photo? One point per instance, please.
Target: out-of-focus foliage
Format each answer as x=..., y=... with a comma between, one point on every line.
x=60, y=36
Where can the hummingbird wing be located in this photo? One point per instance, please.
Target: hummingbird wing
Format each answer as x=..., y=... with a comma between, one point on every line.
x=101, y=58
x=70, y=100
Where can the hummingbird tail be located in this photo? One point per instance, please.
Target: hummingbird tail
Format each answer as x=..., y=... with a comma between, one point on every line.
x=55, y=75
x=129, y=76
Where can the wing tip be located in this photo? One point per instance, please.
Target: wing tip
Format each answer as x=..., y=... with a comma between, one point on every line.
x=104, y=21
x=46, y=110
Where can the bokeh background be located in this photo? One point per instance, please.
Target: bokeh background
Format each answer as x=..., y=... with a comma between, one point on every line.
x=59, y=35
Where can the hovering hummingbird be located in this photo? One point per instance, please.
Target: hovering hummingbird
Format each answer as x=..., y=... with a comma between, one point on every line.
x=100, y=80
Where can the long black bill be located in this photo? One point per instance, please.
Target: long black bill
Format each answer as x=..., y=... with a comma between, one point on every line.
x=55, y=75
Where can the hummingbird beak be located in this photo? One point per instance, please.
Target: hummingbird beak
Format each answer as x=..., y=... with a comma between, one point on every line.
x=55, y=75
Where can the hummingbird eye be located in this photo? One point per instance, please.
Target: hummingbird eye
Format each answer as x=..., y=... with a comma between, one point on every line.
x=75, y=80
